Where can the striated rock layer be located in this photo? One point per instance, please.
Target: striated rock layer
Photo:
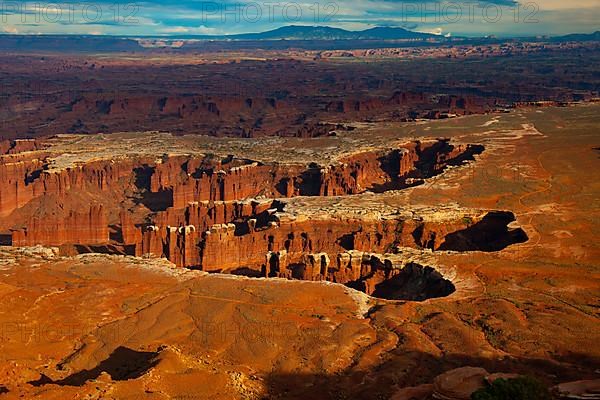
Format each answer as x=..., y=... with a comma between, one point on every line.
x=89, y=227
x=235, y=215
x=185, y=190
x=228, y=214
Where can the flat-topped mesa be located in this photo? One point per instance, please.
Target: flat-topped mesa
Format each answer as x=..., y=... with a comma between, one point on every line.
x=222, y=249
x=86, y=227
x=413, y=105
x=96, y=175
x=206, y=190
x=191, y=179
x=379, y=170
x=244, y=242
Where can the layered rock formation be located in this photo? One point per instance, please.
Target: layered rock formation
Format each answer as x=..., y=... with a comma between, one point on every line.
x=16, y=173
x=263, y=239
x=217, y=213
x=275, y=94
x=19, y=146
x=89, y=227
x=191, y=179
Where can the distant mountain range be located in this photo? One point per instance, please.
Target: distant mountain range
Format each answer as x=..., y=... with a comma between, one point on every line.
x=296, y=32
x=578, y=37
x=298, y=37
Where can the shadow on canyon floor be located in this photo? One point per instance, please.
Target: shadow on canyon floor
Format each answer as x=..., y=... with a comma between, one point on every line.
x=413, y=369
x=414, y=283
x=6, y=239
x=492, y=233
x=401, y=369
x=122, y=364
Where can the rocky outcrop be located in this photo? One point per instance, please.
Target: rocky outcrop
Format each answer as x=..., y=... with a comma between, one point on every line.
x=204, y=210
x=412, y=104
x=182, y=245
x=26, y=176
x=207, y=179
x=16, y=174
x=177, y=244
x=587, y=389
x=19, y=146
x=459, y=384
x=130, y=234
x=74, y=227
x=193, y=179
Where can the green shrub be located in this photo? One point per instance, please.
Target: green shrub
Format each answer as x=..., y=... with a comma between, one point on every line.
x=522, y=388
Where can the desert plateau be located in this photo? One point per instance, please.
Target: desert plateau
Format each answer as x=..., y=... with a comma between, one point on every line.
x=352, y=217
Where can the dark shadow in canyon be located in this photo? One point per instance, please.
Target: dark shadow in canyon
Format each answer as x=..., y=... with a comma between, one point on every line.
x=120, y=250
x=5, y=239
x=414, y=283
x=243, y=271
x=426, y=167
x=413, y=368
x=143, y=176
x=490, y=234
x=310, y=181
x=122, y=364
x=115, y=233
x=154, y=201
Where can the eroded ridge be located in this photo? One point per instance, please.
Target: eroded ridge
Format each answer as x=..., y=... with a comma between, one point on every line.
x=237, y=215
x=46, y=201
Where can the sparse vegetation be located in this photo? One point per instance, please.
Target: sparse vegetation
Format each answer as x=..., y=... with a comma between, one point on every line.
x=522, y=388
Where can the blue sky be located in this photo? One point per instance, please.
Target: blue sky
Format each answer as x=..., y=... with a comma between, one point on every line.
x=170, y=17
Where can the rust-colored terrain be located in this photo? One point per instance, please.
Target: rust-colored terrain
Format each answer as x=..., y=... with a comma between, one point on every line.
x=363, y=261
x=282, y=93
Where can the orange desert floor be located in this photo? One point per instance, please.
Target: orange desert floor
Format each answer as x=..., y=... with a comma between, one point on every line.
x=100, y=326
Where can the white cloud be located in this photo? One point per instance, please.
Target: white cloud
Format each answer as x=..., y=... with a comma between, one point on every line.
x=200, y=30
x=434, y=31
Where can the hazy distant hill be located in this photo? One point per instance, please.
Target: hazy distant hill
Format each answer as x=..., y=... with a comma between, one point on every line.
x=295, y=32
x=67, y=43
x=89, y=43
x=293, y=36
x=578, y=37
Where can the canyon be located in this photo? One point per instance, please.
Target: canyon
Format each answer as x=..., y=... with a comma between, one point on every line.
x=287, y=92
x=213, y=222
x=425, y=268
x=230, y=215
